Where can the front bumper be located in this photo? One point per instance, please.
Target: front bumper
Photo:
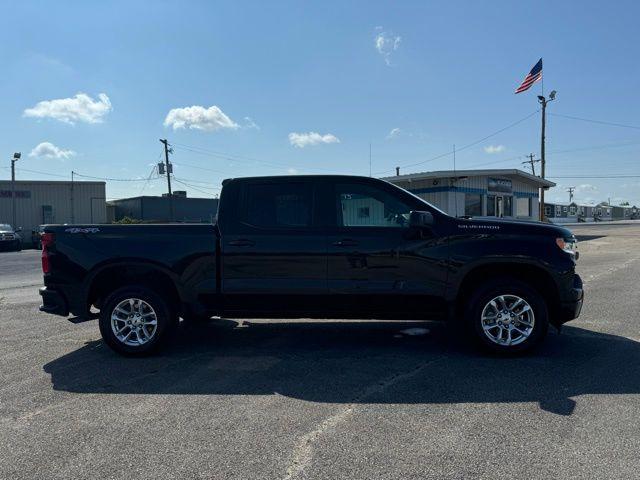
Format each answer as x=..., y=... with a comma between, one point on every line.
x=571, y=305
x=53, y=302
x=9, y=244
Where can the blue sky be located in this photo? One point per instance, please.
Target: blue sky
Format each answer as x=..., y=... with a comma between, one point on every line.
x=302, y=87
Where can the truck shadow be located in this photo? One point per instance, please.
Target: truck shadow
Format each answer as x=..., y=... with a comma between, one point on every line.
x=363, y=362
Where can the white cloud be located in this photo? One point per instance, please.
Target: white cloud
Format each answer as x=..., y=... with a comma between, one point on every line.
x=292, y=171
x=79, y=108
x=494, y=148
x=394, y=133
x=386, y=44
x=49, y=150
x=301, y=140
x=249, y=123
x=586, y=187
x=197, y=117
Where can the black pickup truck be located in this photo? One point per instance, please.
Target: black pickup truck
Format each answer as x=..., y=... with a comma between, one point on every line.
x=315, y=247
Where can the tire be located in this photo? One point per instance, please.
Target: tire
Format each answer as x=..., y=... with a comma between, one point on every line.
x=514, y=324
x=140, y=306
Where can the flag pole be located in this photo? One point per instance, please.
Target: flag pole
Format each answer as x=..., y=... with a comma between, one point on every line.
x=542, y=159
x=542, y=81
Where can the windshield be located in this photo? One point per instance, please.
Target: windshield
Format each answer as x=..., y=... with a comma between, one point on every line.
x=5, y=227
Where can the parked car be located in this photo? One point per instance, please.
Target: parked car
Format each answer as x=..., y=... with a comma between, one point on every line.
x=10, y=237
x=315, y=247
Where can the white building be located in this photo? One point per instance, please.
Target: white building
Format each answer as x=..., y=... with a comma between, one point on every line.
x=504, y=193
x=39, y=202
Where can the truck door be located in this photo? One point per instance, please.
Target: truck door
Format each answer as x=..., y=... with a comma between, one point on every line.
x=379, y=266
x=274, y=254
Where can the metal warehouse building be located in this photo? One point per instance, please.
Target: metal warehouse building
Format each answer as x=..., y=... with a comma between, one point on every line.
x=479, y=193
x=156, y=209
x=39, y=202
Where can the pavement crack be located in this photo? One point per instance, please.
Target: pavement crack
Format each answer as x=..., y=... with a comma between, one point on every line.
x=609, y=271
x=303, y=449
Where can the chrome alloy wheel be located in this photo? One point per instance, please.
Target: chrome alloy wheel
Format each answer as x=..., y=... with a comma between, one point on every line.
x=507, y=320
x=134, y=322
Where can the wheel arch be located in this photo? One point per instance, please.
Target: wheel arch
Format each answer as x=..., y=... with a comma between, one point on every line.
x=530, y=273
x=110, y=276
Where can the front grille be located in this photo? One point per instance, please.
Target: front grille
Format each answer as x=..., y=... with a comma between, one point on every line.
x=7, y=236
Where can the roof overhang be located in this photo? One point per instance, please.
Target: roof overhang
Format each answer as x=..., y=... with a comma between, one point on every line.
x=510, y=173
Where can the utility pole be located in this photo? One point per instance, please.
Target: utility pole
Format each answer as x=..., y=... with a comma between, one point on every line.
x=16, y=157
x=167, y=150
x=73, y=210
x=543, y=101
x=571, y=190
x=532, y=162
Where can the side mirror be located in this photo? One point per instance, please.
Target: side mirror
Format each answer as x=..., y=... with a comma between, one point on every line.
x=420, y=219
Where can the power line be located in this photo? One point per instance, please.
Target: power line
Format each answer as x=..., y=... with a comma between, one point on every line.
x=595, y=147
x=601, y=122
x=559, y=152
x=240, y=158
x=148, y=179
x=182, y=164
x=615, y=175
x=41, y=173
x=107, y=179
x=469, y=145
x=197, y=189
x=214, y=187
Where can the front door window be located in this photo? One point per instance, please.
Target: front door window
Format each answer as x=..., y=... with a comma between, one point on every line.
x=366, y=206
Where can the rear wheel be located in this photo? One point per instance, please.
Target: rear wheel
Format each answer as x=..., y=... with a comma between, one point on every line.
x=135, y=320
x=507, y=316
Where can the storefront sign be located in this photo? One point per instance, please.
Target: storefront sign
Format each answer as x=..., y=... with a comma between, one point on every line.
x=19, y=194
x=500, y=185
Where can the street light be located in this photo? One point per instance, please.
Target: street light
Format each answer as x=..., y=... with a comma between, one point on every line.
x=543, y=101
x=16, y=157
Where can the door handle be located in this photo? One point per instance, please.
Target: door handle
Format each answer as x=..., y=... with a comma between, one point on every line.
x=242, y=242
x=346, y=242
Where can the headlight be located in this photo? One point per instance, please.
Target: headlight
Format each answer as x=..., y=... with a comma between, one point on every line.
x=568, y=245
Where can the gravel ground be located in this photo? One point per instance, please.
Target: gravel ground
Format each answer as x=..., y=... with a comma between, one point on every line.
x=305, y=399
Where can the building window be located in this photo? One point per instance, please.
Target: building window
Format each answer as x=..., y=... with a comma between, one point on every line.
x=363, y=212
x=523, y=207
x=572, y=210
x=558, y=210
x=473, y=205
x=548, y=211
x=508, y=207
x=491, y=205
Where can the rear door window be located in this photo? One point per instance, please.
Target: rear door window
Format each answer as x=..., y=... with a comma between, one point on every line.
x=278, y=205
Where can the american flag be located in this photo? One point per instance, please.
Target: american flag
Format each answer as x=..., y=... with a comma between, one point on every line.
x=532, y=77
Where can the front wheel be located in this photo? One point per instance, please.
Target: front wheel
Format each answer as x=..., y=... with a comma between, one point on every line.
x=507, y=316
x=135, y=320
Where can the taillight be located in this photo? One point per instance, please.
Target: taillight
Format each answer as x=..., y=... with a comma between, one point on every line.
x=47, y=240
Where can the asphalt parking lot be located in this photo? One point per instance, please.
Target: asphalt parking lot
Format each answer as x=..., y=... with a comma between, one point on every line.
x=302, y=399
